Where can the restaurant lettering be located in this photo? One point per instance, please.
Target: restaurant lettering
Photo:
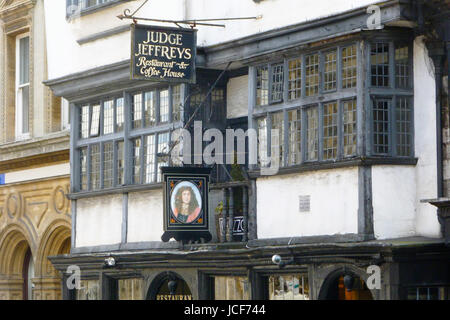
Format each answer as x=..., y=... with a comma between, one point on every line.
x=163, y=54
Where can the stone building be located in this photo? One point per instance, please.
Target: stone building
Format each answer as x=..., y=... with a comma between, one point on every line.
x=344, y=95
x=35, y=217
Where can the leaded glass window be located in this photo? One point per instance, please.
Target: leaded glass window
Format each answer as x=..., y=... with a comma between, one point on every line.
x=330, y=130
x=349, y=123
x=312, y=75
x=312, y=133
x=330, y=68
x=402, y=66
x=379, y=60
x=349, y=67
x=277, y=137
x=403, y=122
x=262, y=85
x=295, y=79
x=381, y=126
x=295, y=128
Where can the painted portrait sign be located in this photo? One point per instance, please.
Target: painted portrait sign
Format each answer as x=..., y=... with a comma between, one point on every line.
x=185, y=203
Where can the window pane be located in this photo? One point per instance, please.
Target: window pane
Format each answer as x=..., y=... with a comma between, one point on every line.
x=312, y=136
x=164, y=106
x=137, y=110
x=137, y=161
x=120, y=163
x=217, y=105
x=176, y=103
x=312, y=75
x=289, y=287
x=349, y=67
x=150, y=108
x=403, y=122
x=95, y=121
x=108, y=117
x=83, y=169
x=197, y=99
x=277, y=142
x=95, y=167
x=163, y=147
x=381, y=126
x=262, y=142
x=295, y=122
x=231, y=288
x=84, y=122
x=330, y=130
x=108, y=158
x=119, y=115
x=262, y=86
x=25, y=100
x=277, y=82
x=402, y=66
x=89, y=290
x=349, y=127
x=295, y=79
x=130, y=289
x=329, y=81
x=149, y=151
x=24, y=64
x=379, y=61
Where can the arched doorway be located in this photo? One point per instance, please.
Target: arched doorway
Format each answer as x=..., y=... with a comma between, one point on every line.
x=55, y=241
x=16, y=264
x=169, y=286
x=27, y=275
x=344, y=284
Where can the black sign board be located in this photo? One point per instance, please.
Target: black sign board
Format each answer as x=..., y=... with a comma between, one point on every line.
x=186, y=203
x=163, y=54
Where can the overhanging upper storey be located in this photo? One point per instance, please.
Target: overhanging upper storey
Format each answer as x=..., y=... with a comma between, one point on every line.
x=243, y=51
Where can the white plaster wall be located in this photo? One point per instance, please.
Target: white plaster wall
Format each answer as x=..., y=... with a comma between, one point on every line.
x=334, y=204
x=145, y=216
x=99, y=221
x=66, y=56
x=394, y=201
x=237, y=97
x=425, y=140
x=38, y=173
x=275, y=14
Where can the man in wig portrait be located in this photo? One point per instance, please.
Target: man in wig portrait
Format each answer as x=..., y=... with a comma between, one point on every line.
x=186, y=208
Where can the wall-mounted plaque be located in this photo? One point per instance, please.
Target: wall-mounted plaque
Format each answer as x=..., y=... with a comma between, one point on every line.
x=163, y=54
x=186, y=203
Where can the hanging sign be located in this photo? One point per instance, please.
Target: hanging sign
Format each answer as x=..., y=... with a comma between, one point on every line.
x=186, y=203
x=163, y=54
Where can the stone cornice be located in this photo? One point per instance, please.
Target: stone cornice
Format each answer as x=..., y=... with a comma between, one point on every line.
x=51, y=148
x=15, y=10
x=34, y=161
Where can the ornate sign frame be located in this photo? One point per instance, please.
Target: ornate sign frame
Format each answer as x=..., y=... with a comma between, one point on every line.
x=186, y=212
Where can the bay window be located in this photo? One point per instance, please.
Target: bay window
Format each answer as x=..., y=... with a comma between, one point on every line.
x=132, y=130
x=320, y=104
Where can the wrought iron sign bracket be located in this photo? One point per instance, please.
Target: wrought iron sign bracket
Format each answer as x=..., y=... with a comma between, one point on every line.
x=191, y=22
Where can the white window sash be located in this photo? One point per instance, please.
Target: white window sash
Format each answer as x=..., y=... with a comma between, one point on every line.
x=22, y=132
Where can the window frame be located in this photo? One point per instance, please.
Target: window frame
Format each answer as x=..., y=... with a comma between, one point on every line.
x=125, y=136
x=361, y=93
x=80, y=10
x=19, y=110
